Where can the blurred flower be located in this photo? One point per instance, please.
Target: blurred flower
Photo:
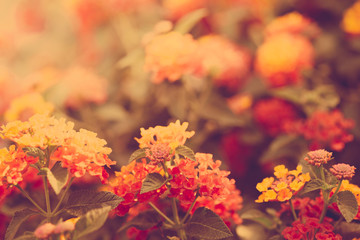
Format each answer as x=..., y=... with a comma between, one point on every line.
x=44, y=231
x=175, y=9
x=169, y=56
x=240, y=103
x=174, y=134
x=318, y=157
x=25, y=106
x=294, y=23
x=224, y=61
x=83, y=86
x=324, y=129
x=343, y=171
x=350, y=22
x=282, y=58
x=30, y=16
x=274, y=115
x=8, y=88
x=284, y=187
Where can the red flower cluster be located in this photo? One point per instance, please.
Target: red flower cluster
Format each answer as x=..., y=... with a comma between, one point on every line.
x=310, y=229
x=274, y=115
x=127, y=184
x=325, y=128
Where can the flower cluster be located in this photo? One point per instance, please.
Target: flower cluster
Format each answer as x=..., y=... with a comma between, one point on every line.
x=286, y=185
x=48, y=229
x=127, y=184
x=79, y=151
x=350, y=21
x=343, y=171
x=318, y=157
x=325, y=128
x=274, y=114
x=310, y=229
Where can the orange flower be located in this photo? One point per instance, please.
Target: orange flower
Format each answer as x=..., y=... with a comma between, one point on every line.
x=174, y=134
x=23, y=107
x=287, y=184
x=224, y=61
x=350, y=22
x=282, y=57
x=240, y=103
x=169, y=56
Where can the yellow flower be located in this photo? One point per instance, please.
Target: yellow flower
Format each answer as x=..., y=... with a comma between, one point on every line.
x=265, y=184
x=280, y=171
x=305, y=177
x=350, y=22
x=270, y=195
x=280, y=186
x=174, y=134
x=25, y=106
x=297, y=171
x=296, y=185
x=284, y=195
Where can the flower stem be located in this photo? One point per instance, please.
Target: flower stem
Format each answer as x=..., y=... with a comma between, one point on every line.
x=62, y=196
x=336, y=191
x=47, y=197
x=161, y=213
x=179, y=226
x=31, y=200
x=292, y=210
x=189, y=210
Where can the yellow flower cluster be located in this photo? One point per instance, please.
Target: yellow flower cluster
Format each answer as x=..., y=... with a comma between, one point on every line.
x=286, y=185
x=174, y=134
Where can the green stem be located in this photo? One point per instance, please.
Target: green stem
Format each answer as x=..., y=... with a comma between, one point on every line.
x=31, y=200
x=322, y=173
x=47, y=197
x=179, y=226
x=336, y=191
x=292, y=210
x=189, y=210
x=62, y=196
x=161, y=213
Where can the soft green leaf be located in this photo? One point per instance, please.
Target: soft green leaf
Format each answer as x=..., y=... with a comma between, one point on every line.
x=207, y=224
x=139, y=153
x=81, y=202
x=259, y=217
x=143, y=221
x=152, y=182
x=18, y=218
x=186, y=23
x=57, y=177
x=186, y=152
x=91, y=221
x=347, y=204
x=313, y=185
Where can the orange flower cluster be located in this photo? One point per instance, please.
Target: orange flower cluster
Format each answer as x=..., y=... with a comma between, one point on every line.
x=285, y=52
x=80, y=152
x=287, y=184
x=127, y=184
x=173, y=135
x=350, y=21
x=171, y=55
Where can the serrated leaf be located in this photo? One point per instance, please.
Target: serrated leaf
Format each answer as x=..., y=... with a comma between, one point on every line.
x=143, y=221
x=84, y=201
x=152, y=182
x=186, y=23
x=347, y=204
x=259, y=217
x=206, y=224
x=91, y=221
x=312, y=185
x=139, y=153
x=18, y=218
x=57, y=177
x=186, y=152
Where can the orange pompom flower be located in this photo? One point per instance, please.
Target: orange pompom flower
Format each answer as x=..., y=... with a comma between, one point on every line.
x=282, y=58
x=170, y=56
x=350, y=22
x=284, y=187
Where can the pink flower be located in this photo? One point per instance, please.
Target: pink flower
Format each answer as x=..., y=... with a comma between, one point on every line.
x=343, y=171
x=45, y=230
x=318, y=157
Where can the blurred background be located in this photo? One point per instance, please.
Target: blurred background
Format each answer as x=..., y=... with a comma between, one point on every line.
x=261, y=82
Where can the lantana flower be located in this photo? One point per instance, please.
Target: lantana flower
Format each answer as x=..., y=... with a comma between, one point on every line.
x=284, y=186
x=318, y=157
x=343, y=171
x=350, y=22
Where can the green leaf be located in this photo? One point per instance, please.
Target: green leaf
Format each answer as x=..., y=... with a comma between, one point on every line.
x=139, y=153
x=91, y=221
x=143, y=221
x=259, y=217
x=313, y=185
x=34, y=152
x=186, y=23
x=84, y=201
x=207, y=224
x=18, y=218
x=57, y=177
x=347, y=204
x=152, y=182
x=186, y=152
